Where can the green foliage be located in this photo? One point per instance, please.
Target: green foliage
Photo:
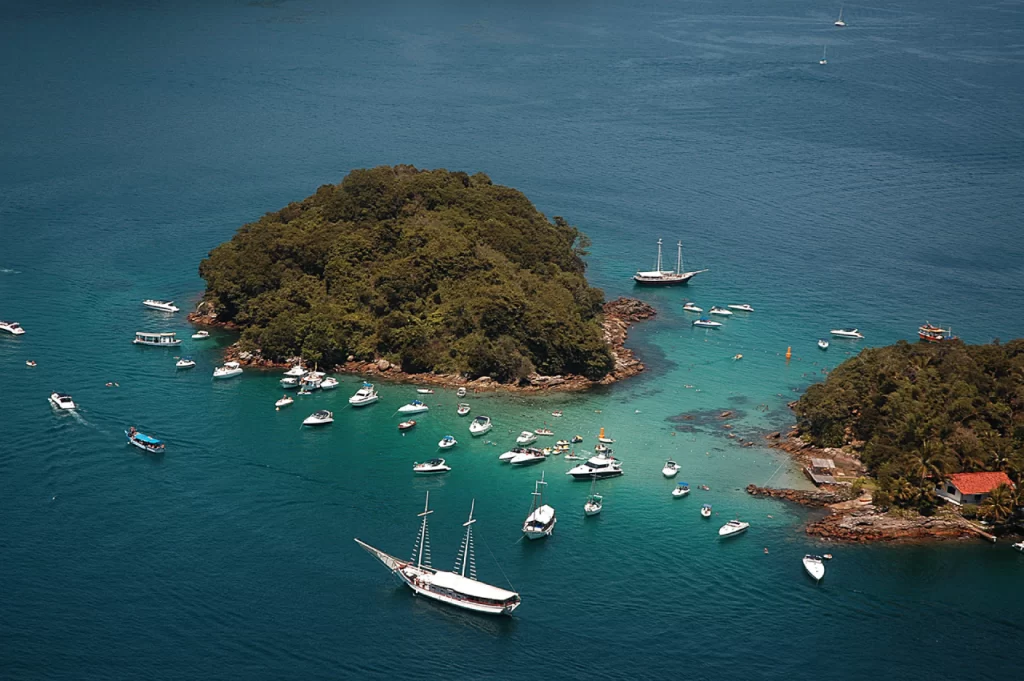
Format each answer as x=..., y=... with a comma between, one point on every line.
x=923, y=411
x=998, y=507
x=438, y=270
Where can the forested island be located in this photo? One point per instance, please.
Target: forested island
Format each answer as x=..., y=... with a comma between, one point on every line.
x=432, y=271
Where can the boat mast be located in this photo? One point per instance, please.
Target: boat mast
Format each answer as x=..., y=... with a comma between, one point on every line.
x=538, y=496
x=679, y=258
x=422, y=548
x=465, y=557
x=658, y=267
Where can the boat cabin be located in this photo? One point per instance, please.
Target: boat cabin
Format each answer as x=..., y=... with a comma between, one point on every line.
x=971, y=488
x=166, y=338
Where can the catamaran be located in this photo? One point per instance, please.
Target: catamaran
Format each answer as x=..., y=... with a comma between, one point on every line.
x=163, y=340
x=459, y=587
x=162, y=305
x=541, y=521
x=660, y=277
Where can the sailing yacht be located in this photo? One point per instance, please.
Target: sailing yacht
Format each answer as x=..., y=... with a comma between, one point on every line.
x=660, y=277
x=594, y=500
x=460, y=587
x=839, y=22
x=541, y=521
x=823, y=60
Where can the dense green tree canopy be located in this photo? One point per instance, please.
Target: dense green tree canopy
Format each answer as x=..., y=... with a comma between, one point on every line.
x=440, y=271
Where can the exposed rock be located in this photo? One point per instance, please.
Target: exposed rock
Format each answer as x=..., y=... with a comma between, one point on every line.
x=383, y=365
x=870, y=525
x=815, y=497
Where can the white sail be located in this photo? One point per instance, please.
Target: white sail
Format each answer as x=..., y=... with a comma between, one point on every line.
x=386, y=558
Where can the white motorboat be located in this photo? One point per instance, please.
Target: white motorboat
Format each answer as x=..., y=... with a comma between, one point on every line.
x=12, y=327
x=62, y=401
x=692, y=307
x=742, y=308
x=733, y=527
x=681, y=490
x=705, y=511
x=594, y=500
x=229, y=370
x=671, y=469
x=431, y=467
x=284, y=402
x=526, y=438
x=516, y=451
x=313, y=380
x=414, y=407
x=839, y=22
x=144, y=442
x=544, y=431
x=600, y=466
x=463, y=409
x=528, y=457
x=461, y=392
x=201, y=335
x=163, y=340
x=815, y=566
x=329, y=383
x=847, y=333
x=660, y=277
x=706, y=323
x=823, y=344
x=541, y=521
x=824, y=55
x=407, y=425
x=185, y=363
x=480, y=425
x=289, y=383
x=557, y=414
x=162, y=305
x=319, y=418
x=364, y=396
x=459, y=587
x=447, y=442
x=297, y=371
x=1019, y=546
x=721, y=311
x=424, y=391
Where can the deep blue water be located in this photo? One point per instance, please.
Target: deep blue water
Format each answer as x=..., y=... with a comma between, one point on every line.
x=878, y=191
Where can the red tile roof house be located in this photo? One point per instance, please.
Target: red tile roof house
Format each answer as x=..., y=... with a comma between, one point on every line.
x=971, y=488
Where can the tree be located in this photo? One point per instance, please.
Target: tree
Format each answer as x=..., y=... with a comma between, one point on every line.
x=999, y=506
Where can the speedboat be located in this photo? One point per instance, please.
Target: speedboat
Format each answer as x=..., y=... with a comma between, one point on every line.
x=573, y=456
x=164, y=340
x=447, y=442
x=12, y=327
x=329, y=383
x=557, y=414
x=705, y=511
x=62, y=401
x=576, y=439
x=706, y=323
x=692, y=307
x=594, y=501
x=298, y=371
x=742, y=308
x=847, y=333
x=414, y=407
x=364, y=396
x=815, y=566
x=424, y=391
x=541, y=521
x=289, y=383
x=431, y=467
x=526, y=438
x=528, y=457
x=544, y=431
x=1019, y=546
x=162, y=305
x=228, y=370
x=681, y=490
x=461, y=392
x=185, y=363
x=319, y=418
x=201, y=335
x=671, y=469
x=516, y=451
x=480, y=425
x=463, y=409
x=283, y=402
x=406, y=425
x=733, y=527
x=720, y=311
x=823, y=344
x=144, y=442
x=601, y=466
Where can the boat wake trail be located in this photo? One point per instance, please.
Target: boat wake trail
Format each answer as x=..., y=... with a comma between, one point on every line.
x=5, y=270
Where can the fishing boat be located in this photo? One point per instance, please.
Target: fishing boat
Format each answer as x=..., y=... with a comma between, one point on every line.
x=289, y=383
x=732, y=528
x=163, y=340
x=705, y=511
x=406, y=425
x=525, y=438
x=447, y=442
x=144, y=442
x=706, y=323
x=576, y=439
x=329, y=383
x=721, y=311
x=319, y=418
x=283, y=402
x=541, y=521
x=414, y=407
x=62, y=401
x=431, y=467
x=461, y=392
x=671, y=469
x=367, y=394
x=692, y=307
x=424, y=391
x=480, y=425
x=823, y=59
x=12, y=327
x=815, y=566
x=846, y=333
x=544, y=431
x=185, y=363
x=839, y=22
x=201, y=335
x=604, y=440
x=557, y=414
x=229, y=370
x=458, y=588
x=600, y=466
x=528, y=457
x=935, y=334
x=463, y=409
x=742, y=308
x=681, y=490
x=823, y=344
x=162, y=305
x=594, y=500
x=660, y=277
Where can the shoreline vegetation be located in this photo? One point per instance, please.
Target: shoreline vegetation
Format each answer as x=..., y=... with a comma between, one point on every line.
x=423, y=276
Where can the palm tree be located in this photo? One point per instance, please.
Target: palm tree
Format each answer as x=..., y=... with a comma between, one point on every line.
x=999, y=505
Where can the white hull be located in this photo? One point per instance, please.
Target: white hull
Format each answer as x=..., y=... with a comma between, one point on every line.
x=841, y=333
x=526, y=459
x=705, y=513
x=669, y=472
x=161, y=306
x=68, y=404
x=12, y=327
x=540, y=531
x=409, y=409
x=679, y=493
x=477, y=430
x=741, y=308
x=815, y=569
x=431, y=471
x=362, y=402
x=184, y=364
x=201, y=335
x=732, y=530
x=230, y=373
x=283, y=403
x=591, y=509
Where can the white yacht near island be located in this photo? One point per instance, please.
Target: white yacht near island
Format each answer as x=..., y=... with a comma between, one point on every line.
x=12, y=328
x=161, y=305
x=600, y=466
x=541, y=521
x=414, y=407
x=732, y=528
x=165, y=339
x=229, y=370
x=846, y=333
x=367, y=394
x=661, y=277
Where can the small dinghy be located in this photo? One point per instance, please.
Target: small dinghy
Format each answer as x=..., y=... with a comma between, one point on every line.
x=526, y=438
x=742, y=308
x=414, y=407
x=461, y=392
x=681, y=490
x=283, y=402
x=329, y=383
x=732, y=528
x=29, y=363
x=573, y=456
x=185, y=363
x=406, y=425
x=671, y=469
x=424, y=391
x=463, y=409
x=557, y=414
x=447, y=442
x=691, y=307
x=480, y=425
x=319, y=418
x=706, y=323
x=200, y=335
x=823, y=344
x=705, y=511
x=544, y=431
x=576, y=439
x=431, y=467
x=721, y=311
x=815, y=567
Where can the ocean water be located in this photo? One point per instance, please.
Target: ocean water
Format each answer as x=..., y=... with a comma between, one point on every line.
x=878, y=191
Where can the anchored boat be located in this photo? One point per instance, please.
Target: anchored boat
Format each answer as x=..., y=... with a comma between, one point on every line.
x=594, y=500
x=144, y=442
x=541, y=521
x=364, y=396
x=660, y=277
x=671, y=469
x=815, y=567
x=12, y=327
x=732, y=528
x=600, y=466
x=414, y=407
x=431, y=467
x=480, y=425
x=164, y=340
x=162, y=305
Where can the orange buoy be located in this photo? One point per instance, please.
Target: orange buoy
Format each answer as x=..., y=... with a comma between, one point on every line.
x=789, y=352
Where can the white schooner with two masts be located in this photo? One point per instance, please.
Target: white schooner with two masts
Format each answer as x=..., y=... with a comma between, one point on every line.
x=459, y=587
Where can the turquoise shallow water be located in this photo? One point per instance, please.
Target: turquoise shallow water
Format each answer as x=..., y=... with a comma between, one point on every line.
x=879, y=191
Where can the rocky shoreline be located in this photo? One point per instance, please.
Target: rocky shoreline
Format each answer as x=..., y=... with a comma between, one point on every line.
x=619, y=316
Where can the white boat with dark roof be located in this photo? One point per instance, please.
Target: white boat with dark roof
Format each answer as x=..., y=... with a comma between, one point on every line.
x=12, y=327
x=62, y=401
x=661, y=277
x=229, y=370
x=706, y=323
x=671, y=469
x=431, y=467
x=732, y=528
x=721, y=311
x=526, y=438
x=480, y=425
x=460, y=587
x=600, y=466
x=185, y=363
x=541, y=521
x=164, y=339
x=364, y=396
x=319, y=418
x=162, y=305
x=815, y=566
x=414, y=407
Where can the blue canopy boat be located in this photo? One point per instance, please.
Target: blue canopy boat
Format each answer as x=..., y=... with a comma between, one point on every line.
x=144, y=442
